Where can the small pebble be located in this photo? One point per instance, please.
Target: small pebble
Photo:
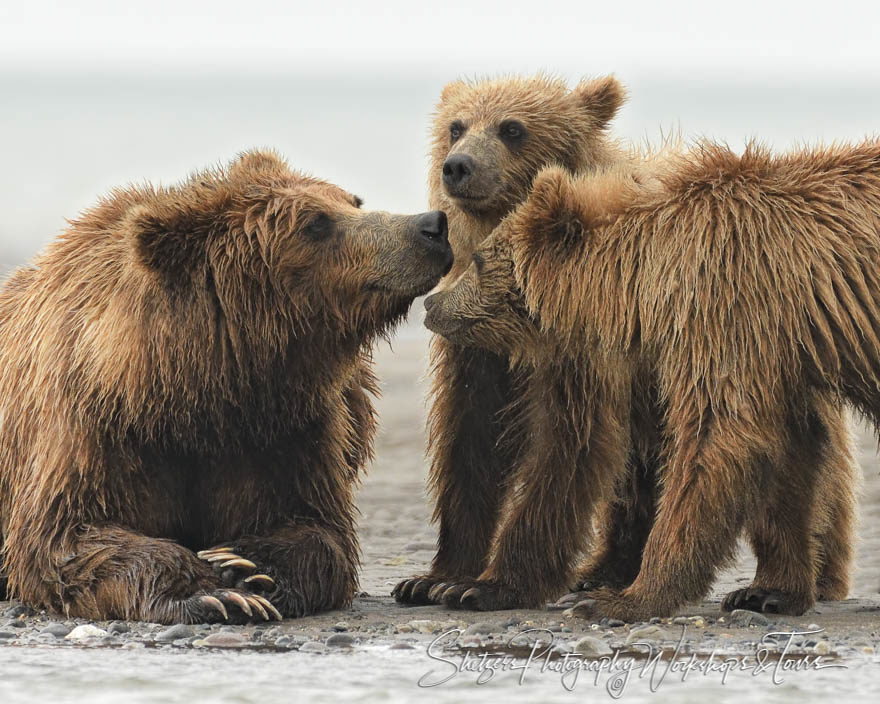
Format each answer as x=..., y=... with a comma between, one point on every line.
x=423, y=626
x=592, y=647
x=18, y=610
x=402, y=646
x=16, y=623
x=6, y=635
x=615, y=623
x=119, y=627
x=176, y=632
x=284, y=642
x=823, y=647
x=814, y=627
x=313, y=647
x=340, y=640
x=482, y=627
x=646, y=633
x=744, y=617
x=341, y=626
x=223, y=639
x=85, y=631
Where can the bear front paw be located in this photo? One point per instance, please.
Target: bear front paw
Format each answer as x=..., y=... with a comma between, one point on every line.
x=414, y=591
x=609, y=603
x=229, y=606
x=475, y=595
x=766, y=600
x=235, y=571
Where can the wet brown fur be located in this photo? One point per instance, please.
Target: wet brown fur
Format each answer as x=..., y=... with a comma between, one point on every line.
x=473, y=389
x=186, y=367
x=751, y=400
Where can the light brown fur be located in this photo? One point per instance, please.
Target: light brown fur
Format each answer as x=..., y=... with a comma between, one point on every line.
x=187, y=367
x=472, y=388
x=747, y=286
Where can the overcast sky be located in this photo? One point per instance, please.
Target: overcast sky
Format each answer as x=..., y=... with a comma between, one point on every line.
x=98, y=93
x=409, y=35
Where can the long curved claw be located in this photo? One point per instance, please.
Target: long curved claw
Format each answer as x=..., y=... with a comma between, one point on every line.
x=258, y=606
x=262, y=579
x=205, y=554
x=240, y=601
x=222, y=556
x=269, y=607
x=239, y=562
x=435, y=593
x=214, y=603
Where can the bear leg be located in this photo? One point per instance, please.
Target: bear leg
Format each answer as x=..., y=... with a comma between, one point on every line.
x=470, y=461
x=711, y=483
x=624, y=525
x=837, y=482
x=802, y=536
x=572, y=462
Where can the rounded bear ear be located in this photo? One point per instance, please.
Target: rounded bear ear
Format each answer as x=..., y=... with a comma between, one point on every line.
x=257, y=161
x=600, y=97
x=166, y=240
x=450, y=90
x=550, y=214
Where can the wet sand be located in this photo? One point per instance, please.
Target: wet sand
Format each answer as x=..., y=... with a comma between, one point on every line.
x=377, y=650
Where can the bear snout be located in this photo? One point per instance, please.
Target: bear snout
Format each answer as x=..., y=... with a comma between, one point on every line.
x=457, y=171
x=431, y=229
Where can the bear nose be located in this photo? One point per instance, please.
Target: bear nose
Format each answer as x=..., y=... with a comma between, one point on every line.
x=433, y=227
x=457, y=170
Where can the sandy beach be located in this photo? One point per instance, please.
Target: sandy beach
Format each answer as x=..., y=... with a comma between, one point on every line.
x=379, y=651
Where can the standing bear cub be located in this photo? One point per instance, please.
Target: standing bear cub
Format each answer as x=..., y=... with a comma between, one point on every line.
x=748, y=286
x=490, y=139
x=188, y=367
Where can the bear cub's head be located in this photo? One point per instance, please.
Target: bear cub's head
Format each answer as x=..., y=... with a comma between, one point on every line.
x=486, y=307
x=491, y=137
x=525, y=286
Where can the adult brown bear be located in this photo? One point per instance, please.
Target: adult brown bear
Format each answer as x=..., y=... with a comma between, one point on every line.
x=748, y=286
x=189, y=367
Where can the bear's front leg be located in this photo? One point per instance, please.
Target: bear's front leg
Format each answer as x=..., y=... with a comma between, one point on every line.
x=577, y=449
x=469, y=462
x=711, y=484
x=624, y=526
x=111, y=572
x=302, y=568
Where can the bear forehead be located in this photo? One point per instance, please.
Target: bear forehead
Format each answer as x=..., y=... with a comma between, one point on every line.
x=498, y=99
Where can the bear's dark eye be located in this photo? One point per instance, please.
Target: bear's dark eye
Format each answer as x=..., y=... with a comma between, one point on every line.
x=320, y=227
x=512, y=132
x=456, y=130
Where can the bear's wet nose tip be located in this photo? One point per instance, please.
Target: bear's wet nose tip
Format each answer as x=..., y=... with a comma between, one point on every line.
x=433, y=227
x=457, y=170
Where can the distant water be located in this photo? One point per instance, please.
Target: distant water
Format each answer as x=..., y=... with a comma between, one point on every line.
x=67, y=139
